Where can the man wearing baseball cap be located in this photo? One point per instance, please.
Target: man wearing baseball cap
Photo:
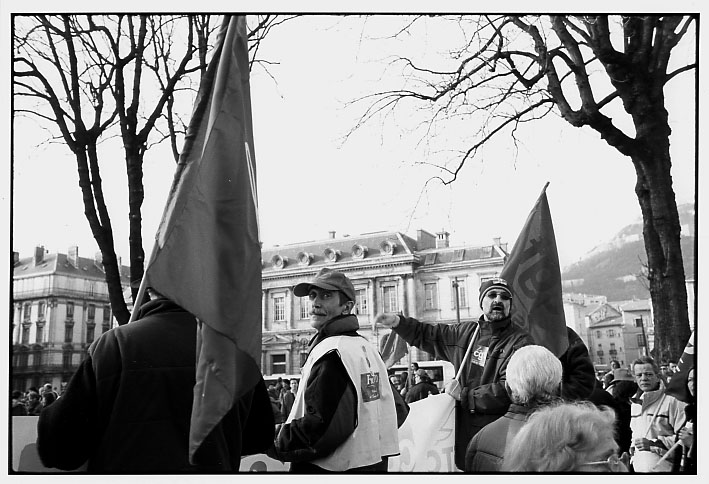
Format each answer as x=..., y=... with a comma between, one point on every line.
x=344, y=387
x=482, y=398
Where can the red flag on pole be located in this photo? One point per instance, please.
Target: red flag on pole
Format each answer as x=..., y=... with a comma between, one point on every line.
x=532, y=270
x=677, y=386
x=207, y=255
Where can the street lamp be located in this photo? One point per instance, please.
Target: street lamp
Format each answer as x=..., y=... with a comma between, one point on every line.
x=457, y=300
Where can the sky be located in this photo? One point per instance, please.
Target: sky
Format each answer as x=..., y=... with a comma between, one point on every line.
x=311, y=181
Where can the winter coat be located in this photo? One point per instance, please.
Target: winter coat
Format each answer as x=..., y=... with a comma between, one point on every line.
x=486, y=449
x=579, y=377
x=484, y=398
x=331, y=401
x=128, y=406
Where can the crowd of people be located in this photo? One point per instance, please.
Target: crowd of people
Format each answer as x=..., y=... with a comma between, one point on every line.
x=519, y=407
x=33, y=401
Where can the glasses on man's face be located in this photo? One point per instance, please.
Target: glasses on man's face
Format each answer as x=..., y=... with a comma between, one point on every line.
x=614, y=463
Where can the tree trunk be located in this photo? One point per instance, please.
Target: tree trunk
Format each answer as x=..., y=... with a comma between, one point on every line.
x=136, y=194
x=661, y=232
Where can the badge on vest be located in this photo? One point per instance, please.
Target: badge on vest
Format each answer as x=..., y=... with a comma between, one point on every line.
x=370, y=387
x=479, y=355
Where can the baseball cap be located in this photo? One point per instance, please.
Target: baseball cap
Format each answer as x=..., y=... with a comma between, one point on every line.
x=495, y=283
x=327, y=279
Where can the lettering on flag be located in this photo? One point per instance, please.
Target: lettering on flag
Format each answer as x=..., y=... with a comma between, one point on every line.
x=427, y=437
x=532, y=270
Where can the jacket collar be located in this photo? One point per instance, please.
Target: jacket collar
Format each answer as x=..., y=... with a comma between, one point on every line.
x=344, y=324
x=646, y=398
x=159, y=305
x=495, y=326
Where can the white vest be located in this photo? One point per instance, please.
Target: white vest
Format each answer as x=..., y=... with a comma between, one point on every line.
x=376, y=434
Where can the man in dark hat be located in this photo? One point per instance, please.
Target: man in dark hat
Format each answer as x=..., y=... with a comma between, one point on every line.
x=482, y=398
x=344, y=387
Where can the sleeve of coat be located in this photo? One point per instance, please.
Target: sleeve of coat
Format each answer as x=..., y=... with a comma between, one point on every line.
x=66, y=429
x=677, y=419
x=579, y=376
x=444, y=341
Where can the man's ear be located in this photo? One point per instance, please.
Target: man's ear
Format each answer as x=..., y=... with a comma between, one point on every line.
x=349, y=306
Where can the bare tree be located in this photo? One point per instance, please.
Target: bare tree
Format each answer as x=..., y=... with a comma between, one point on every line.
x=90, y=77
x=512, y=70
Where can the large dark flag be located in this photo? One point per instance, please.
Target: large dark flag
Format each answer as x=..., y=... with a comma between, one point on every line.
x=207, y=255
x=532, y=271
x=677, y=386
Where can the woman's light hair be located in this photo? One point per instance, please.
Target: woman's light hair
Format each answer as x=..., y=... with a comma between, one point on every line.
x=559, y=438
x=533, y=375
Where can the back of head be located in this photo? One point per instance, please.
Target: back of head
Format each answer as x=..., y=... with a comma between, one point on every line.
x=533, y=375
x=559, y=438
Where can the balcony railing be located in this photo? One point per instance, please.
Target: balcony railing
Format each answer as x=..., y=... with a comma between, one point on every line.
x=599, y=352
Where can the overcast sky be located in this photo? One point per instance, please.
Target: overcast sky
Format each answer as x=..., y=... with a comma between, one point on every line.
x=310, y=182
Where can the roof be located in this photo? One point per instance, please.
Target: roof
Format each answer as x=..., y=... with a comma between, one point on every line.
x=604, y=323
x=375, y=245
x=636, y=305
x=59, y=264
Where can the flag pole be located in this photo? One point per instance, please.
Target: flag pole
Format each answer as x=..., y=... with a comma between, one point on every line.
x=143, y=283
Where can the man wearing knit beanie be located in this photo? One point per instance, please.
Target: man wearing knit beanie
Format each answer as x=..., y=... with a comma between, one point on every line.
x=480, y=393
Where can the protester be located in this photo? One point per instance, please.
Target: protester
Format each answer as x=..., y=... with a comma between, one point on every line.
x=534, y=378
x=579, y=375
x=483, y=398
x=47, y=388
x=608, y=377
x=275, y=397
x=287, y=399
x=566, y=437
x=687, y=463
x=422, y=388
x=294, y=386
x=48, y=398
x=34, y=405
x=622, y=387
x=18, y=406
x=655, y=419
x=127, y=409
x=344, y=388
x=665, y=373
x=403, y=384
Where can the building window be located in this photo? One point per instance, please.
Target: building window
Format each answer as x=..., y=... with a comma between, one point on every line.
x=305, y=307
x=40, y=333
x=641, y=340
x=278, y=363
x=69, y=309
x=66, y=359
x=390, y=299
x=361, y=301
x=639, y=322
x=105, y=326
x=598, y=334
x=106, y=313
x=430, y=296
x=91, y=312
x=279, y=308
x=28, y=311
x=462, y=296
x=90, y=330
x=25, y=334
x=68, y=333
x=610, y=333
x=40, y=310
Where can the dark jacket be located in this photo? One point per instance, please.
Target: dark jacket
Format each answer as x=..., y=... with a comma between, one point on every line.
x=486, y=449
x=420, y=391
x=331, y=401
x=128, y=406
x=483, y=397
x=579, y=377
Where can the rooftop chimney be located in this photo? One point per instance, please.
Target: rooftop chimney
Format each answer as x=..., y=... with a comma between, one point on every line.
x=73, y=256
x=38, y=254
x=442, y=239
x=332, y=234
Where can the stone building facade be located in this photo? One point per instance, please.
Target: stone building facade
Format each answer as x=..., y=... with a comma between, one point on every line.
x=391, y=272
x=60, y=305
